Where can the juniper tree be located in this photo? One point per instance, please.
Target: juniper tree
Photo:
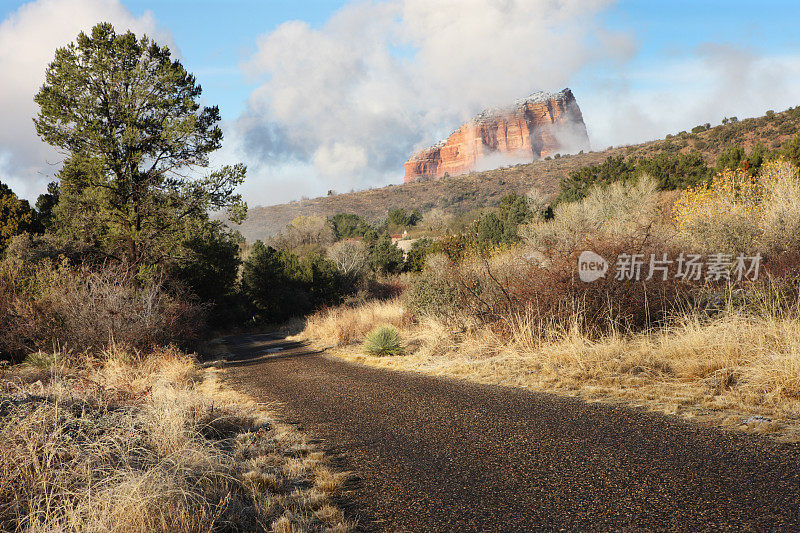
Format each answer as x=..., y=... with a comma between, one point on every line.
x=16, y=215
x=127, y=117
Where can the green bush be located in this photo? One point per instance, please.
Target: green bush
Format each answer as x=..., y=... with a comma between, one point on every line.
x=420, y=249
x=348, y=225
x=385, y=256
x=433, y=292
x=209, y=269
x=383, y=340
x=579, y=183
x=671, y=171
x=399, y=218
x=281, y=285
x=490, y=228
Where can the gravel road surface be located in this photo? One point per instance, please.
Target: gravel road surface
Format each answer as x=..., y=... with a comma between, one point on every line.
x=432, y=454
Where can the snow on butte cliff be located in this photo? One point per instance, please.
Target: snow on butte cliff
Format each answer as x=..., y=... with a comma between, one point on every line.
x=534, y=127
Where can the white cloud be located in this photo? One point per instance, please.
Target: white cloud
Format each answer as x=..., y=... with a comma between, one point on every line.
x=28, y=40
x=715, y=81
x=357, y=96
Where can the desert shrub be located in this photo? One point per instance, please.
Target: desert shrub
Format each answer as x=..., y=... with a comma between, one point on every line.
x=457, y=246
x=538, y=203
x=675, y=172
x=29, y=248
x=734, y=157
x=348, y=225
x=490, y=228
x=581, y=181
x=343, y=325
x=385, y=256
x=46, y=305
x=416, y=256
x=669, y=170
x=501, y=288
x=539, y=279
x=618, y=211
x=791, y=151
x=739, y=213
x=383, y=341
x=500, y=225
x=399, y=218
x=781, y=209
x=433, y=291
x=351, y=258
x=305, y=232
x=722, y=216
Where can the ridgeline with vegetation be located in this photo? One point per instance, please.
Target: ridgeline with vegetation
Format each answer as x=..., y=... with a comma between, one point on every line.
x=458, y=194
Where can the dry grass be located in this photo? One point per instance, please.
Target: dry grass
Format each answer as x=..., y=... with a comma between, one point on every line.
x=720, y=371
x=133, y=443
x=340, y=326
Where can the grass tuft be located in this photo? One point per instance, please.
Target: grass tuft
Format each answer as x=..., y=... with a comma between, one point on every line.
x=383, y=341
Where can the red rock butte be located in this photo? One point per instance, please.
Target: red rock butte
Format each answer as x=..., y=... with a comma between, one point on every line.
x=534, y=127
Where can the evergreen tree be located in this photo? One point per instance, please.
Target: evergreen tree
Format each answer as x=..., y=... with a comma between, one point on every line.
x=16, y=215
x=127, y=117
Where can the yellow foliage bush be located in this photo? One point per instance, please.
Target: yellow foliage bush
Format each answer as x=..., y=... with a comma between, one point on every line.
x=737, y=212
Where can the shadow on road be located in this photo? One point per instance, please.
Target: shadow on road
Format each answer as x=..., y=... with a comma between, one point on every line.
x=246, y=350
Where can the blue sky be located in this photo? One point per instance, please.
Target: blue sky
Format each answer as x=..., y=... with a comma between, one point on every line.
x=321, y=94
x=214, y=41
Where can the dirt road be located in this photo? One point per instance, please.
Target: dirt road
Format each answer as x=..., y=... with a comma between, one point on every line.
x=445, y=455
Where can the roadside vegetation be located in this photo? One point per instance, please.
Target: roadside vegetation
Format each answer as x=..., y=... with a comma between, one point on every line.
x=453, y=196
x=722, y=348
x=130, y=441
x=106, y=424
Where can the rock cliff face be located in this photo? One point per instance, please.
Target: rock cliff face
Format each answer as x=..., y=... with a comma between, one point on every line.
x=534, y=127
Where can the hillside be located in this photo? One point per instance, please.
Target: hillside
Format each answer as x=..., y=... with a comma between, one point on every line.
x=479, y=189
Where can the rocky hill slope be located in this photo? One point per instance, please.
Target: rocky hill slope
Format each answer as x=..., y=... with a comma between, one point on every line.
x=479, y=189
x=537, y=126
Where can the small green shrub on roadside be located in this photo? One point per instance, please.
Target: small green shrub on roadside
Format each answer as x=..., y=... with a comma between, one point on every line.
x=434, y=292
x=383, y=340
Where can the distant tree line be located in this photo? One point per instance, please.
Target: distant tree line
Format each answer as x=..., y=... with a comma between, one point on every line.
x=671, y=171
